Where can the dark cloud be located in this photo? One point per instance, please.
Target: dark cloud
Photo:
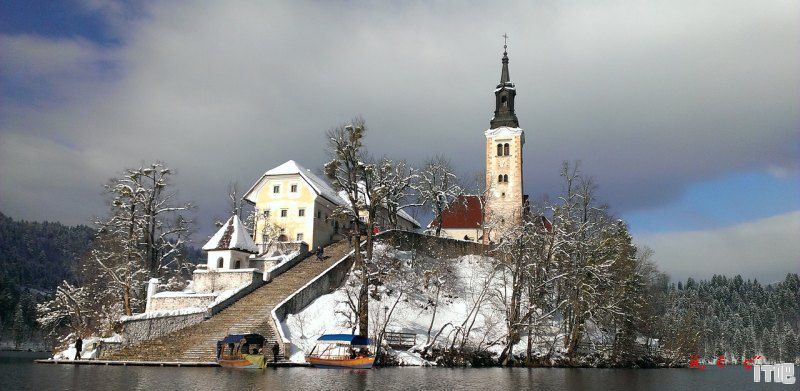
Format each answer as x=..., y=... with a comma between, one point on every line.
x=652, y=97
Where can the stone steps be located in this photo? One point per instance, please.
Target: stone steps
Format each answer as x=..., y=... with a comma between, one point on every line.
x=250, y=314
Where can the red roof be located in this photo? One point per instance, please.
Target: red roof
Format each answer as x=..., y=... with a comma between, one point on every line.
x=465, y=212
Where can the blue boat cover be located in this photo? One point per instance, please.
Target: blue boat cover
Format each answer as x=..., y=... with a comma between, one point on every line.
x=345, y=338
x=251, y=338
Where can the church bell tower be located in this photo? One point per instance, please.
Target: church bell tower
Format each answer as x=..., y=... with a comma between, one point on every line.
x=504, y=142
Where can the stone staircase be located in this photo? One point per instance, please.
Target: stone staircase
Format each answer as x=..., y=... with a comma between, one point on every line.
x=250, y=314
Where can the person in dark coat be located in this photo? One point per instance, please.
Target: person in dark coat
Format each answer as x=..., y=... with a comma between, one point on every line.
x=320, y=254
x=78, y=348
x=276, y=350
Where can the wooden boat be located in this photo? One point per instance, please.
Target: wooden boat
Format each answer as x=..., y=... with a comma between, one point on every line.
x=341, y=351
x=244, y=351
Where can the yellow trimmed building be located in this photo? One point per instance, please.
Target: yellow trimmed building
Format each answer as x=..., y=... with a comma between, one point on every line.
x=295, y=205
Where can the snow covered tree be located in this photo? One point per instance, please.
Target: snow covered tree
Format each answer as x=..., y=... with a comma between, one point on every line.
x=69, y=309
x=399, y=181
x=346, y=171
x=143, y=235
x=438, y=187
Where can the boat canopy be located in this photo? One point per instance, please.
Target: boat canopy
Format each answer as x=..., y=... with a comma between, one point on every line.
x=250, y=338
x=345, y=339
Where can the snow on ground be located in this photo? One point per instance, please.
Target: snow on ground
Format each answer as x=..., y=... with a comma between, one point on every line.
x=88, y=351
x=413, y=313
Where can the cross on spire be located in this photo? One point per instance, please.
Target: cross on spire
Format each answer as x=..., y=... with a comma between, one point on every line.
x=505, y=41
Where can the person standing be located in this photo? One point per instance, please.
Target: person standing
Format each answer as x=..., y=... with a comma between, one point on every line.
x=320, y=254
x=276, y=350
x=78, y=348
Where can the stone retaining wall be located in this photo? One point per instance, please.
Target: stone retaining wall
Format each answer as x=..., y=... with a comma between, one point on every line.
x=139, y=330
x=207, y=281
x=166, y=303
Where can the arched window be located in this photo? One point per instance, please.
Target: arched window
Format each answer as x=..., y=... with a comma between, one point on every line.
x=505, y=178
x=500, y=179
x=219, y=263
x=499, y=149
x=506, y=149
x=237, y=265
x=504, y=101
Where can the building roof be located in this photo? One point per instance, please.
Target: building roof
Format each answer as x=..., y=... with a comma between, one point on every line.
x=232, y=236
x=464, y=212
x=320, y=186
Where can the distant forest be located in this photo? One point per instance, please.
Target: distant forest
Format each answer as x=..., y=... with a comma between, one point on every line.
x=35, y=257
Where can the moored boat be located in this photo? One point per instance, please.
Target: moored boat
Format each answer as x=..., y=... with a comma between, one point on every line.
x=341, y=351
x=245, y=351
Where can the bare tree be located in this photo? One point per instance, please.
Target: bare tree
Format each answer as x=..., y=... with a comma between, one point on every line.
x=438, y=187
x=346, y=171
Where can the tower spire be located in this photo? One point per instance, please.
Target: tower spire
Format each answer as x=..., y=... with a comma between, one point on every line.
x=504, y=77
x=504, y=96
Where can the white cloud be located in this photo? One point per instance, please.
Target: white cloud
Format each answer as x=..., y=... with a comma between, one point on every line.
x=765, y=249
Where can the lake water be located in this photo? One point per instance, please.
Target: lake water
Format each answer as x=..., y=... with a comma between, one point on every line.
x=18, y=372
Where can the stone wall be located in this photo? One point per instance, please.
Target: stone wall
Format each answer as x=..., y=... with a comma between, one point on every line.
x=173, y=302
x=139, y=330
x=207, y=281
x=431, y=245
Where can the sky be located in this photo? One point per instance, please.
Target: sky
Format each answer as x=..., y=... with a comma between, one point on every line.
x=686, y=113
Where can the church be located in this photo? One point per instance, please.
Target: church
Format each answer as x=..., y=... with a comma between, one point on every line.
x=481, y=218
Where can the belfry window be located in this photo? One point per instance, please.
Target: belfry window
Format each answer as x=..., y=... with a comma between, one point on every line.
x=506, y=149
x=499, y=149
x=504, y=100
x=500, y=179
x=505, y=177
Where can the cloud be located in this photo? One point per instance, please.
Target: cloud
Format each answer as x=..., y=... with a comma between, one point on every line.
x=651, y=96
x=765, y=249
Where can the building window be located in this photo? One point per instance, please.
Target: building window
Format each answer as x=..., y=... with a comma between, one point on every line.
x=319, y=214
x=506, y=149
x=219, y=263
x=293, y=189
x=499, y=179
x=237, y=265
x=300, y=237
x=504, y=101
x=505, y=178
x=301, y=212
x=499, y=149
x=284, y=212
x=266, y=213
x=276, y=189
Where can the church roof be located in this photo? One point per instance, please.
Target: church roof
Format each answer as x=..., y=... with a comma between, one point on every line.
x=232, y=236
x=465, y=212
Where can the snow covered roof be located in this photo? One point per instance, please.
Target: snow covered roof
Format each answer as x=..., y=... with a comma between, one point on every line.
x=232, y=236
x=504, y=130
x=320, y=186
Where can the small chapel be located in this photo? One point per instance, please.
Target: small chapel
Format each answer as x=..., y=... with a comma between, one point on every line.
x=503, y=201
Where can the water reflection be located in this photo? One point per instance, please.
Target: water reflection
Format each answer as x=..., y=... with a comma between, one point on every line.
x=18, y=372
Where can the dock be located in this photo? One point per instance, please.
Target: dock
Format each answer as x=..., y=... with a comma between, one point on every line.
x=280, y=364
